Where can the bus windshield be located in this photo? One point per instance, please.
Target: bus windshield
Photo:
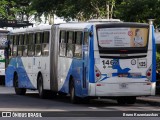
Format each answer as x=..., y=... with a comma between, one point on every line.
x=122, y=37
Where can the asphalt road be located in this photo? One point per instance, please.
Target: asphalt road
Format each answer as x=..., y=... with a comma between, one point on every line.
x=9, y=101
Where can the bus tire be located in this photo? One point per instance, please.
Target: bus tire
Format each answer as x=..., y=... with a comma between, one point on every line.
x=121, y=100
x=41, y=91
x=131, y=100
x=74, y=99
x=18, y=91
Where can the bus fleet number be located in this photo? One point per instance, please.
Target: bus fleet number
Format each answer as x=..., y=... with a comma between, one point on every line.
x=110, y=62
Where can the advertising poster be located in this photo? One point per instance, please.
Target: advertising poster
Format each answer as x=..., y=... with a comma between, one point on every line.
x=122, y=37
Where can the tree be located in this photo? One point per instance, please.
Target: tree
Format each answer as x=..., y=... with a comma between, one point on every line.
x=79, y=9
x=15, y=9
x=138, y=10
x=7, y=9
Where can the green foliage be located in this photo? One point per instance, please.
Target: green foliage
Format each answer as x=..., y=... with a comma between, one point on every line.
x=126, y=10
x=79, y=9
x=15, y=9
x=138, y=10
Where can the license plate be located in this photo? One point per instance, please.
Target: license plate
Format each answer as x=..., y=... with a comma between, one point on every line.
x=123, y=85
x=123, y=75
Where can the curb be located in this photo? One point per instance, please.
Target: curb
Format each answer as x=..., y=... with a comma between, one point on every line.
x=148, y=101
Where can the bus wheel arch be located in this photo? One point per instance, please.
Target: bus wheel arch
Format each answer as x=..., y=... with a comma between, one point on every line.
x=18, y=91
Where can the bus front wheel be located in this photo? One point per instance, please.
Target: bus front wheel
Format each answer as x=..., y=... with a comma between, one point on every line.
x=40, y=87
x=18, y=91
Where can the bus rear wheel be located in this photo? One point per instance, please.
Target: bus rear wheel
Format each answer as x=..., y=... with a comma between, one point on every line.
x=18, y=91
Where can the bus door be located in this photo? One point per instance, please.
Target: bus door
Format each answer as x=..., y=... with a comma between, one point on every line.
x=85, y=50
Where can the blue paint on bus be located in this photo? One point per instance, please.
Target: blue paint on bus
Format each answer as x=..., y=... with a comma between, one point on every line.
x=16, y=66
x=153, y=57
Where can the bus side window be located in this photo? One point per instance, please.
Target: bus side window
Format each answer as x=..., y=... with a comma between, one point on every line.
x=10, y=38
x=78, y=45
x=14, y=52
x=62, y=43
x=20, y=43
x=24, y=49
x=86, y=37
x=30, y=44
x=38, y=44
x=45, y=44
x=70, y=44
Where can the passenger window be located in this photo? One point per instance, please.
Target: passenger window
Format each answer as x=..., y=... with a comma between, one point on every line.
x=20, y=43
x=38, y=38
x=25, y=39
x=63, y=37
x=70, y=50
x=45, y=37
x=70, y=37
x=30, y=50
x=31, y=46
x=14, y=50
x=38, y=50
x=86, y=38
x=24, y=47
x=38, y=44
x=19, y=50
x=10, y=38
x=15, y=42
x=45, y=44
x=62, y=45
x=78, y=45
x=70, y=44
x=24, y=50
x=20, y=40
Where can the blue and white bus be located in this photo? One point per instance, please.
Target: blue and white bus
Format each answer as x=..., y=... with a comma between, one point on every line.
x=85, y=60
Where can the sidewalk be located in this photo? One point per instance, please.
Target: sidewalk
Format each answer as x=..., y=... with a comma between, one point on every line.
x=153, y=100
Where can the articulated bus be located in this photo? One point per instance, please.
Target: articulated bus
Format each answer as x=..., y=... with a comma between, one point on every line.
x=84, y=60
x=3, y=54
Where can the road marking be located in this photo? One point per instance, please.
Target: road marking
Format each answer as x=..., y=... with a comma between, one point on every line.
x=93, y=108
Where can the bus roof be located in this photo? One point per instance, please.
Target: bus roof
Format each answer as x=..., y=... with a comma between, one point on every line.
x=32, y=29
x=3, y=30
x=72, y=25
x=82, y=25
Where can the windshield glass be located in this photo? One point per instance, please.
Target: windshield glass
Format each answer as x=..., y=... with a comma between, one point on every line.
x=122, y=37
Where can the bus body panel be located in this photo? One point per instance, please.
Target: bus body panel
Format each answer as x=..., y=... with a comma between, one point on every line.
x=28, y=68
x=118, y=77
